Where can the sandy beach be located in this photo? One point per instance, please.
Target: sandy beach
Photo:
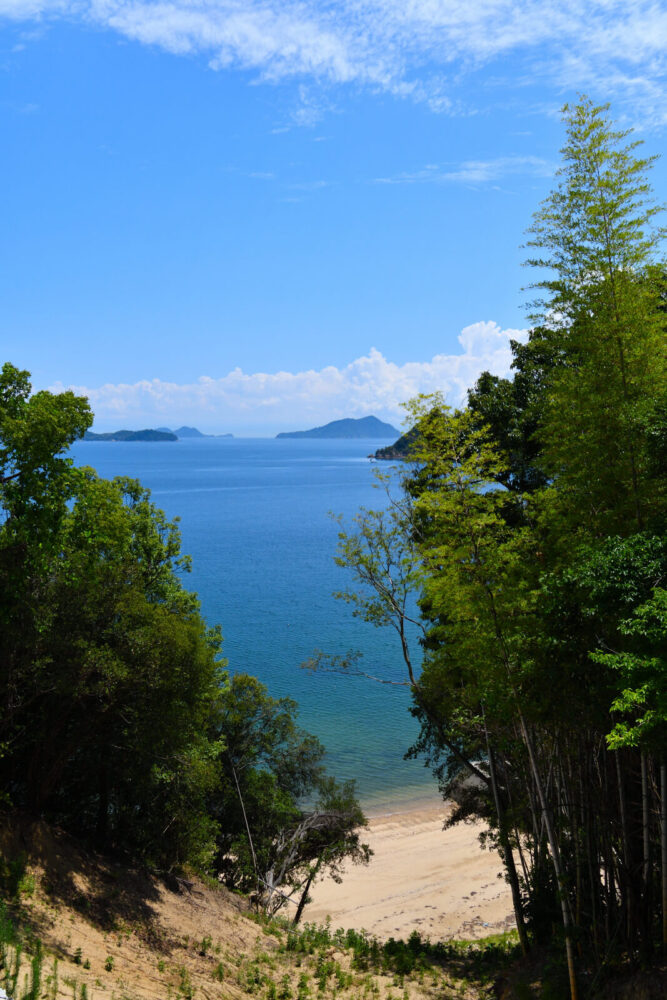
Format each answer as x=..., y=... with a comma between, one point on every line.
x=439, y=882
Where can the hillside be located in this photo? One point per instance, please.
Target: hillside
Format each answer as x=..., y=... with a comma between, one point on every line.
x=113, y=931
x=364, y=427
x=399, y=450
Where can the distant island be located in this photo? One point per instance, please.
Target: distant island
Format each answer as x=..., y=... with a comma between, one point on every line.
x=192, y=432
x=159, y=434
x=364, y=427
x=183, y=432
x=145, y=435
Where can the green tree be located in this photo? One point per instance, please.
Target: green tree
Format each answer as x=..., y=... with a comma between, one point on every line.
x=512, y=409
x=284, y=822
x=36, y=484
x=602, y=310
x=601, y=431
x=108, y=676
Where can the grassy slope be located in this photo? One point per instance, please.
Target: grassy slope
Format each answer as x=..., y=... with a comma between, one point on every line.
x=112, y=931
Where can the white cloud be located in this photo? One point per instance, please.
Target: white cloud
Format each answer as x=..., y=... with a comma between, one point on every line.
x=264, y=403
x=417, y=48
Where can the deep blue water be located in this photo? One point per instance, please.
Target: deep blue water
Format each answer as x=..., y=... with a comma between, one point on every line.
x=254, y=518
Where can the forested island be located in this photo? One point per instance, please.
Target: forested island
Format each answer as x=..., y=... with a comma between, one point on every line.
x=145, y=435
x=184, y=432
x=400, y=450
x=364, y=427
x=192, y=432
x=149, y=434
x=525, y=552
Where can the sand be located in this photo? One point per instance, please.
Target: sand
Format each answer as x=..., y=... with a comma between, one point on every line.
x=422, y=877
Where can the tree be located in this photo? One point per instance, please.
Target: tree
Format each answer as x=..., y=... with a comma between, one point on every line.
x=537, y=519
x=604, y=306
x=284, y=822
x=36, y=484
x=602, y=309
x=108, y=673
x=512, y=408
x=325, y=839
x=428, y=544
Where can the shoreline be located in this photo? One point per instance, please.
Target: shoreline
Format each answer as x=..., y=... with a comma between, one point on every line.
x=414, y=803
x=419, y=809
x=421, y=877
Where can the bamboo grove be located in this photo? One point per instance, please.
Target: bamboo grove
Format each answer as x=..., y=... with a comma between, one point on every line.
x=531, y=528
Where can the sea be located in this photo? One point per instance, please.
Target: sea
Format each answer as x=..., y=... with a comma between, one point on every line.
x=256, y=517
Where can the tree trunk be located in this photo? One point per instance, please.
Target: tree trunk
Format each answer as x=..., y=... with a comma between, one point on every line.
x=247, y=826
x=304, y=896
x=506, y=848
x=645, y=825
x=646, y=942
x=102, y=826
x=555, y=860
x=627, y=888
x=663, y=845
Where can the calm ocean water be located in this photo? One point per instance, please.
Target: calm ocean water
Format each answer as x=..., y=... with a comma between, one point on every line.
x=254, y=518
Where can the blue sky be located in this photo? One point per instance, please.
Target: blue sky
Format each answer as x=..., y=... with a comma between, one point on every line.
x=254, y=216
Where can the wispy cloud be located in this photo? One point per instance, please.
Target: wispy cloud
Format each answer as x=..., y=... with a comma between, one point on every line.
x=309, y=185
x=263, y=402
x=421, y=49
x=473, y=171
x=20, y=109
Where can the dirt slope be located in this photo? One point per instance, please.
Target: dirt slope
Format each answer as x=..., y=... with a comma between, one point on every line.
x=112, y=932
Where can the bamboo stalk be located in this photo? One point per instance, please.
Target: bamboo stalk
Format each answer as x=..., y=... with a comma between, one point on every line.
x=663, y=845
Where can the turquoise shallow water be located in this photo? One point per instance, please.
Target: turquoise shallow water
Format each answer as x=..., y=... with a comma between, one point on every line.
x=254, y=517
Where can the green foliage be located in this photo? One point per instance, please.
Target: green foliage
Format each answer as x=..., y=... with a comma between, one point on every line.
x=536, y=583
x=302, y=989
x=10, y=952
x=269, y=843
x=109, y=678
x=512, y=409
x=14, y=879
x=471, y=959
x=603, y=313
x=535, y=521
x=642, y=702
x=185, y=987
x=14, y=950
x=285, y=988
